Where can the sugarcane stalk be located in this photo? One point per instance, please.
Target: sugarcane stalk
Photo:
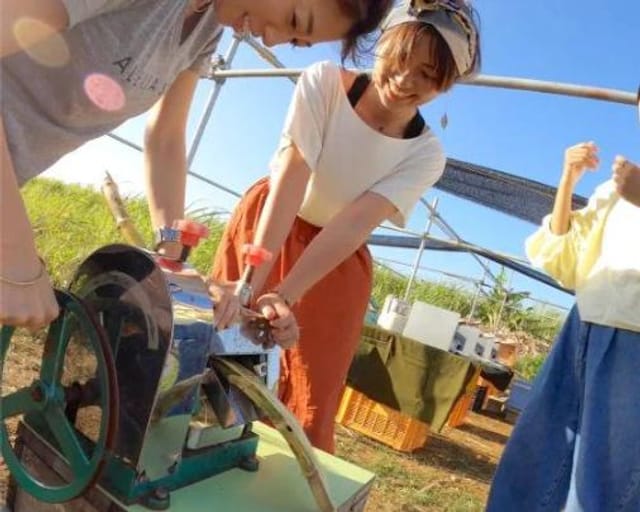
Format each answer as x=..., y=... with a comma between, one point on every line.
x=284, y=421
x=119, y=212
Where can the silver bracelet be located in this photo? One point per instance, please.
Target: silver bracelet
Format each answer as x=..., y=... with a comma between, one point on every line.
x=286, y=300
x=29, y=282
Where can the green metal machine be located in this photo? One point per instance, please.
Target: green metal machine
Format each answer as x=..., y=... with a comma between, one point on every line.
x=138, y=401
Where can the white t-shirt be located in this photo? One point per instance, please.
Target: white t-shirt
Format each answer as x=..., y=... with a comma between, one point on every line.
x=347, y=157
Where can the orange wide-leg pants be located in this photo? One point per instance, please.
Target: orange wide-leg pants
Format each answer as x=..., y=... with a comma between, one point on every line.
x=330, y=316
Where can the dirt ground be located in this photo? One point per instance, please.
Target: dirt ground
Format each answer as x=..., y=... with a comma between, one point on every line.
x=451, y=473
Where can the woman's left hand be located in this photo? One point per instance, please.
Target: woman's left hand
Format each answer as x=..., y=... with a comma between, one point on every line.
x=626, y=176
x=226, y=304
x=282, y=320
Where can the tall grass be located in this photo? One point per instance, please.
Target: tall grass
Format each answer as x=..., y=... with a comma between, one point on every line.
x=72, y=221
x=494, y=309
x=449, y=296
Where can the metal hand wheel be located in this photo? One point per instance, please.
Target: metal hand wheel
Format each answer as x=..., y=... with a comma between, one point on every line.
x=47, y=402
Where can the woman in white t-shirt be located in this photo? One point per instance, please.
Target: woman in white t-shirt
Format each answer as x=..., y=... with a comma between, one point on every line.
x=354, y=152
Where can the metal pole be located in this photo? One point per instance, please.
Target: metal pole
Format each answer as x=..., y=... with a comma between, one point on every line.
x=190, y=173
x=446, y=227
x=430, y=269
x=579, y=91
x=476, y=296
x=125, y=141
x=211, y=101
x=507, y=292
x=423, y=241
x=504, y=82
x=267, y=55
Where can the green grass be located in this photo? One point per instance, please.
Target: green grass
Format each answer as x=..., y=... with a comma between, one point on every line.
x=456, y=500
x=529, y=366
x=413, y=485
x=515, y=316
x=72, y=221
x=447, y=296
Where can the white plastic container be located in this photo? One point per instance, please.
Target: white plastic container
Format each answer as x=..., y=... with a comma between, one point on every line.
x=467, y=341
x=394, y=314
x=490, y=348
x=431, y=325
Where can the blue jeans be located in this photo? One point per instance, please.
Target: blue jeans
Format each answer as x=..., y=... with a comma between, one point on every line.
x=576, y=446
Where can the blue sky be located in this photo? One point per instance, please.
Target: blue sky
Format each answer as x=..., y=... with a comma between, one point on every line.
x=582, y=42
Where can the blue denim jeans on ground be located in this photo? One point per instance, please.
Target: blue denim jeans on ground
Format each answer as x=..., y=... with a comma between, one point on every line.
x=576, y=446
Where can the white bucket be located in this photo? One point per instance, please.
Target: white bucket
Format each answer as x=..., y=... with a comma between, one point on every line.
x=394, y=314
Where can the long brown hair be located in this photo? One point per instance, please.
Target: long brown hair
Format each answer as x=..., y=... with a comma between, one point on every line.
x=366, y=16
x=397, y=44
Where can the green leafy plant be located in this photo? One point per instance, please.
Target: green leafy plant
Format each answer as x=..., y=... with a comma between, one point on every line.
x=528, y=367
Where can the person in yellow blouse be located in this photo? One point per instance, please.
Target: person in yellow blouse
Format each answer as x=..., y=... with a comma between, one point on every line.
x=575, y=446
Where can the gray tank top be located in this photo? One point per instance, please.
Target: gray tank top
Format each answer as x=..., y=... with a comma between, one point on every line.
x=123, y=55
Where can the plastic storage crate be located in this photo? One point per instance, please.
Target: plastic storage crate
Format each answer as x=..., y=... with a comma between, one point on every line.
x=464, y=403
x=519, y=395
x=459, y=411
x=380, y=422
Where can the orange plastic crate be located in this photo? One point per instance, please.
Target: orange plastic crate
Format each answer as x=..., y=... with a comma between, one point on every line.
x=380, y=422
x=459, y=411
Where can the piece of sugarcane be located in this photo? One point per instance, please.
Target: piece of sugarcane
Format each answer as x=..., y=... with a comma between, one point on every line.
x=119, y=212
x=284, y=421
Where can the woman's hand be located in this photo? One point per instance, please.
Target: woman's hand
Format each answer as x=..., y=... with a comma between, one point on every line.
x=226, y=304
x=626, y=176
x=579, y=158
x=26, y=297
x=283, y=322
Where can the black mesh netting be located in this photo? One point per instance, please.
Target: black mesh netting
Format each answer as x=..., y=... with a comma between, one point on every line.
x=520, y=197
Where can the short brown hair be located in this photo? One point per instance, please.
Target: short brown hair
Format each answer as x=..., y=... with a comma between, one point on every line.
x=366, y=16
x=397, y=44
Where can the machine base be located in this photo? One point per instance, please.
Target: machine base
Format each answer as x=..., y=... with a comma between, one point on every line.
x=278, y=485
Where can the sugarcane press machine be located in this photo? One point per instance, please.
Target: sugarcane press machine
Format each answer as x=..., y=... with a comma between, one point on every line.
x=166, y=401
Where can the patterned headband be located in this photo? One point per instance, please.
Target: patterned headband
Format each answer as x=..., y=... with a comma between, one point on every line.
x=452, y=19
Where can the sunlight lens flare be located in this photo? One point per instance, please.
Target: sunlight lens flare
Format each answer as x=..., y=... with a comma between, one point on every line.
x=41, y=42
x=104, y=92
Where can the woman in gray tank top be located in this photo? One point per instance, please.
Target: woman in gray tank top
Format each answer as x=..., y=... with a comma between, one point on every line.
x=72, y=70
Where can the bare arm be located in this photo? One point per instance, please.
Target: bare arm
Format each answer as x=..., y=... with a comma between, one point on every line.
x=27, y=305
x=346, y=232
x=578, y=158
x=561, y=213
x=286, y=193
x=15, y=34
x=337, y=241
x=165, y=151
